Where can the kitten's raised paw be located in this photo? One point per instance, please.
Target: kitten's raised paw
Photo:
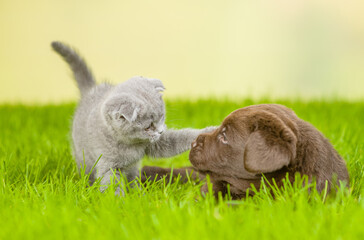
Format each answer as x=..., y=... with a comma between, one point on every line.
x=209, y=129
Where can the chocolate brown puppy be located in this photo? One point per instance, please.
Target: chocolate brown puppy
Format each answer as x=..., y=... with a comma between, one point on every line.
x=266, y=139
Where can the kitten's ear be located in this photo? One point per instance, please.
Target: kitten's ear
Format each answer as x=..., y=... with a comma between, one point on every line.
x=128, y=112
x=121, y=107
x=158, y=85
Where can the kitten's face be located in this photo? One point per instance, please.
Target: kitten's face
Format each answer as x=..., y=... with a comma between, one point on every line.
x=139, y=117
x=147, y=128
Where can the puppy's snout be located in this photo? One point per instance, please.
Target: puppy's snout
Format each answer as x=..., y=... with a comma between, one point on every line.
x=201, y=138
x=199, y=142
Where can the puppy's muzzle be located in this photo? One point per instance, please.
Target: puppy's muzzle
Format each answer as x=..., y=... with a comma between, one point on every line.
x=199, y=142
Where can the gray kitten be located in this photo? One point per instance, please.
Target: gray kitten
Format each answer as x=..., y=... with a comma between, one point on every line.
x=122, y=123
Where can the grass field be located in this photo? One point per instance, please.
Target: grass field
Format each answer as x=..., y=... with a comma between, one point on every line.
x=42, y=196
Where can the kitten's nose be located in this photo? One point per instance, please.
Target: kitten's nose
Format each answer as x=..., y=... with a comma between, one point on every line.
x=160, y=130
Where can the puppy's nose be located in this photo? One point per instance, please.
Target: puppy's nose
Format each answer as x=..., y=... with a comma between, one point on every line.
x=200, y=138
x=199, y=141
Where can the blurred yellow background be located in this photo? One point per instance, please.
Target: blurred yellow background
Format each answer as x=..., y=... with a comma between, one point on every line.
x=266, y=48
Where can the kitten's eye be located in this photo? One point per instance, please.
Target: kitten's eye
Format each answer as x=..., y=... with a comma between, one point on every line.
x=222, y=138
x=151, y=127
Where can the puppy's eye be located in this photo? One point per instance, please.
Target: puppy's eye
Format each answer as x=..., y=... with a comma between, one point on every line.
x=222, y=138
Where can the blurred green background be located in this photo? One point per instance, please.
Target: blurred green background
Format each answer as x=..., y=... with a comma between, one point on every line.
x=275, y=48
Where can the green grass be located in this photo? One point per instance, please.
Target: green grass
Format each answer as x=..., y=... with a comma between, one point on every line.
x=42, y=196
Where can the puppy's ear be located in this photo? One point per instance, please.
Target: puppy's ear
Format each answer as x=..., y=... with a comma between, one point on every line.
x=271, y=144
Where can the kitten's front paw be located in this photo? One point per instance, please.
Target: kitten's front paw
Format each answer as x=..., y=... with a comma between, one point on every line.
x=119, y=192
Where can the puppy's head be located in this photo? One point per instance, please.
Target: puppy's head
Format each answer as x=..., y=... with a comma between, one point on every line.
x=250, y=141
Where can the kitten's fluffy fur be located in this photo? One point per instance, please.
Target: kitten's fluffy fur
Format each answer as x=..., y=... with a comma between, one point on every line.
x=122, y=123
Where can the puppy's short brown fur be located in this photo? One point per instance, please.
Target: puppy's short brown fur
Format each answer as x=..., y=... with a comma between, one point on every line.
x=265, y=139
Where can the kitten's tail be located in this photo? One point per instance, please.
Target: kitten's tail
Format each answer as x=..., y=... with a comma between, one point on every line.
x=81, y=72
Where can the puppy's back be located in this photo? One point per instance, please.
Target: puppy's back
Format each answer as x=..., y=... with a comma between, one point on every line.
x=317, y=157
